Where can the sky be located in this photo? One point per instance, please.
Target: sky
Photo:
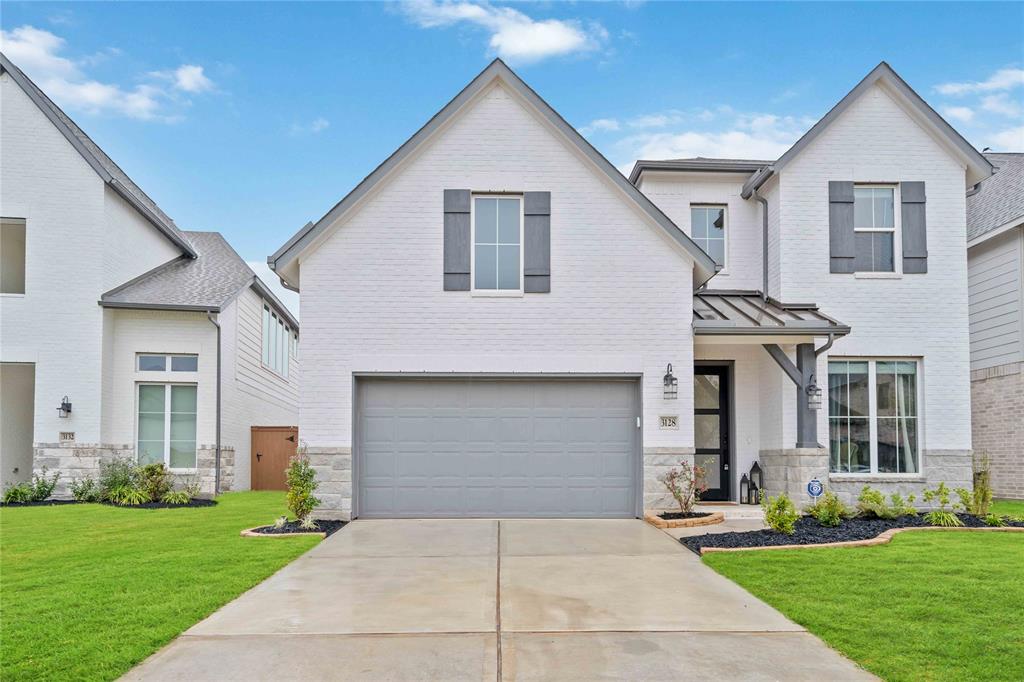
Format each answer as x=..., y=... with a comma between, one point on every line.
x=253, y=118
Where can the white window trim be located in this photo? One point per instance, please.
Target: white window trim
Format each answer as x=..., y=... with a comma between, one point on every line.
x=873, y=418
x=725, y=231
x=896, y=230
x=167, y=423
x=167, y=363
x=496, y=293
x=282, y=332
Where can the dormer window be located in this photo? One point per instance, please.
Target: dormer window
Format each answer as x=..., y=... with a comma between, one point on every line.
x=874, y=227
x=707, y=229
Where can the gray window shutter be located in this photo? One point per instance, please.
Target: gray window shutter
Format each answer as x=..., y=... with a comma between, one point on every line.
x=456, y=239
x=915, y=242
x=840, y=226
x=537, y=242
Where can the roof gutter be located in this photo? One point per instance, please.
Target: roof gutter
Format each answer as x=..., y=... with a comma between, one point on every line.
x=764, y=242
x=755, y=181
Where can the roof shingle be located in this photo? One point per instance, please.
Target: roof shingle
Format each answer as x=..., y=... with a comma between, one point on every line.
x=999, y=199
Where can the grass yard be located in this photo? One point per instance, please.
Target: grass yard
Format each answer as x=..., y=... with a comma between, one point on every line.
x=1013, y=508
x=88, y=591
x=927, y=606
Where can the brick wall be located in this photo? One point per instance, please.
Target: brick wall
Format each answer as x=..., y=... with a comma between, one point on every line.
x=997, y=425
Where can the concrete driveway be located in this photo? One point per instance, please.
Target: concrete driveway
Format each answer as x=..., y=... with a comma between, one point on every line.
x=489, y=600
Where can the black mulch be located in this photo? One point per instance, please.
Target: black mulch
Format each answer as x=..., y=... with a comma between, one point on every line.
x=327, y=526
x=44, y=503
x=671, y=516
x=196, y=502
x=810, y=532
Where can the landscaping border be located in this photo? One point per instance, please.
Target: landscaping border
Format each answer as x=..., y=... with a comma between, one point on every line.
x=251, y=533
x=658, y=522
x=881, y=539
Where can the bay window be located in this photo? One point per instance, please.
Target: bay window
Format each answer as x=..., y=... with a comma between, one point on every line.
x=873, y=416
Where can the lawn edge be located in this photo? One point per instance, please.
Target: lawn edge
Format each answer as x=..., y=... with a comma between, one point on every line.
x=251, y=533
x=658, y=522
x=882, y=539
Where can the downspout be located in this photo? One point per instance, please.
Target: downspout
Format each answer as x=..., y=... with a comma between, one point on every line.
x=216, y=479
x=764, y=242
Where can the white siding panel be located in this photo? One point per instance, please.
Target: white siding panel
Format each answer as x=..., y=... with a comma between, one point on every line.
x=996, y=300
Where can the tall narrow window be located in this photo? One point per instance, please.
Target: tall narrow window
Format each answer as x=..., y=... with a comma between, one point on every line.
x=266, y=335
x=497, y=239
x=707, y=228
x=167, y=425
x=12, y=256
x=874, y=228
x=873, y=416
x=275, y=342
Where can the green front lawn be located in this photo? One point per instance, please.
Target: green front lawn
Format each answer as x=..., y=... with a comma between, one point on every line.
x=1013, y=508
x=88, y=591
x=928, y=606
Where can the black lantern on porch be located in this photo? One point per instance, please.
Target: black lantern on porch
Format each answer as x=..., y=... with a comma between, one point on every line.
x=671, y=384
x=744, y=489
x=756, y=483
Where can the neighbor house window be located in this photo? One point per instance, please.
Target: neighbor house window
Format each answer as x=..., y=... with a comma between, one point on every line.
x=873, y=416
x=707, y=228
x=497, y=244
x=874, y=227
x=12, y=256
x=167, y=425
x=276, y=343
x=163, y=363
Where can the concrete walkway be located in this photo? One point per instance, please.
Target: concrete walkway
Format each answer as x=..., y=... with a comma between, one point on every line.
x=489, y=600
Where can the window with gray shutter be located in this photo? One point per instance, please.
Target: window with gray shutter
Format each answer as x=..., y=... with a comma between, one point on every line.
x=840, y=226
x=456, y=239
x=537, y=242
x=912, y=216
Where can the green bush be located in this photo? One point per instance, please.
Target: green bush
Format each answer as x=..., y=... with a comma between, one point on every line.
x=155, y=480
x=115, y=475
x=941, y=516
x=779, y=513
x=872, y=502
x=18, y=492
x=184, y=495
x=981, y=500
x=903, y=507
x=127, y=495
x=301, y=479
x=994, y=520
x=42, y=487
x=829, y=510
x=86, y=490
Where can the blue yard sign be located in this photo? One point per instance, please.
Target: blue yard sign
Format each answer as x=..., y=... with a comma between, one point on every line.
x=815, y=488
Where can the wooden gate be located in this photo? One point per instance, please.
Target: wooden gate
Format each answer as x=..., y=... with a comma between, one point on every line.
x=272, y=446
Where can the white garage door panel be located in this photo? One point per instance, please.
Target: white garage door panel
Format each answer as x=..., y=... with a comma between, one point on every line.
x=486, y=448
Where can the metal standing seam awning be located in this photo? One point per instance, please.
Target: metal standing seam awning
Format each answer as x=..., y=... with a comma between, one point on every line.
x=748, y=316
x=738, y=313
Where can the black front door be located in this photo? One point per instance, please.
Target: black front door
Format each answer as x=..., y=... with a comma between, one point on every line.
x=711, y=428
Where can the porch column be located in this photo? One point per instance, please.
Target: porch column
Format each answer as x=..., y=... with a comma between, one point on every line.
x=801, y=374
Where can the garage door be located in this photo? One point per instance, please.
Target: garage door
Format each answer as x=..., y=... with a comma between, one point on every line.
x=497, y=448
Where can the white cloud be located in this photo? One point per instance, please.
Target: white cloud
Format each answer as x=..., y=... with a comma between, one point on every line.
x=1011, y=140
x=39, y=53
x=288, y=297
x=513, y=35
x=315, y=126
x=964, y=114
x=1003, y=79
x=1001, y=104
x=600, y=124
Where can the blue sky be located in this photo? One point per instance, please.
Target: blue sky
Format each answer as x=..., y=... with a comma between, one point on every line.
x=252, y=119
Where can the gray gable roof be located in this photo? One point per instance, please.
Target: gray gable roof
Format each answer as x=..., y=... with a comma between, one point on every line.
x=286, y=256
x=104, y=166
x=999, y=200
x=978, y=166
x=205, y=283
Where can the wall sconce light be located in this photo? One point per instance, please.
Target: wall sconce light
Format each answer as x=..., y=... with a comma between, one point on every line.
x=671, y=384
x=65, y=408
x=813, y=395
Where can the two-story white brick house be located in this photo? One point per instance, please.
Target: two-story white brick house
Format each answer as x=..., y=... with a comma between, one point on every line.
x=120, y=334
x=500, y=324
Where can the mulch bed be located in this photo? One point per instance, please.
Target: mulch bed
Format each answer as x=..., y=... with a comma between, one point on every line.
x=672, y=516
x=44, y=503
x=810, y=532
x=197, y=502
x=326, y=526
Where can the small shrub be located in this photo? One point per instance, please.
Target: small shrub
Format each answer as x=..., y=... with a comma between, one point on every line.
x=176, y=497
x=994, y=520
x=301, y=479
x=779, y=513
x=86, y=490
x=903, y=507
x=116, y=474
x=685, y=484
x=280, y=522
x=127, y=495
x=42, y=487
x=155, y=480
x=829, y=510
x=872, y=502
x=941, y=516
x=308, y=523
x=981, y=499
x=18, y=492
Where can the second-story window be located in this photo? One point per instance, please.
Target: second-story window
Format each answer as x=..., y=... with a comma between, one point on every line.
x=497, y=240
x=276, y=342
x=12, y=256
x=707, y=228
x=874, y=226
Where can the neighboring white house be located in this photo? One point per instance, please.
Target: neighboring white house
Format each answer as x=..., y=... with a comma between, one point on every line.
x=501, y=324
x=995, y=260
x=110, y=310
